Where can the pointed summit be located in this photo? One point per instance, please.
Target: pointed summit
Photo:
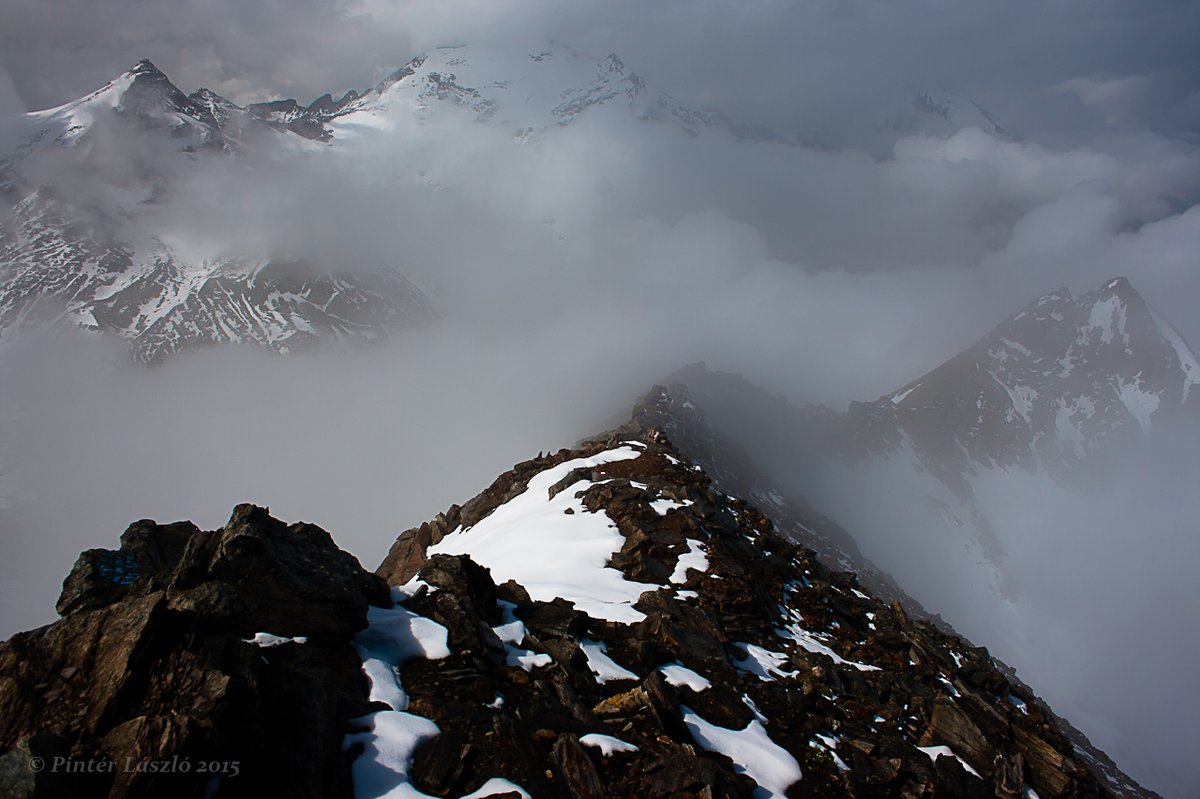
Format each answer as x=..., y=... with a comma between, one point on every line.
x=146, y=67
x=151, y=92
x=1122, y=289
x=1060, y=380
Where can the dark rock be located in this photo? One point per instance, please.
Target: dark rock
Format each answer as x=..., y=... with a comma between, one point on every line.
x=578, y=773
x=461, y=576
x=158, y=668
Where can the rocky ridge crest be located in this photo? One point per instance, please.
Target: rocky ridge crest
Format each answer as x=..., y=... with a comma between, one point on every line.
x=741, y=635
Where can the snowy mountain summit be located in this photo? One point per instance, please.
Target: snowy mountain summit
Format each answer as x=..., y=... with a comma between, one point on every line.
x=145, y=97
x=87, y=182
x=84, y=243
x=1063, y=380
x=1044, y=412
x=527, y=91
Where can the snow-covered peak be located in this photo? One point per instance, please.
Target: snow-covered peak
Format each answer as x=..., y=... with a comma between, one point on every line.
x=144, y=96
x=527, y=90
x=1061, y=379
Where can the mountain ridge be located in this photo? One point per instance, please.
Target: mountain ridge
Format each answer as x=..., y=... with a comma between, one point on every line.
x=471, y=681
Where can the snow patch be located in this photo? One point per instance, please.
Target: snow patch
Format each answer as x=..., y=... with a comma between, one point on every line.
x=934, y=752
x=393, y=636
x=762, y=663
x=604, y=667
x=606, y=743
x=682, y=677
x=532, y=540
x=1140, y=403
x=389, y=744
x=1187, y=359
x=267, y=640
x=752, y=751
x=695, y=558
x=1107, y=316
x=661, y=506
x=512, y=632
x=794, y=630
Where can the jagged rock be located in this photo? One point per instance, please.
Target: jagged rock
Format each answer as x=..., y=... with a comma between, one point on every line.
x=101, y=577
x=151, y=663
x=578, y=773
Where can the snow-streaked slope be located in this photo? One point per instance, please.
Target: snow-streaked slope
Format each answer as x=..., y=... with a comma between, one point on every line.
x=1060, y=381
x=83, y=246
x=554, y=546
x=524, y=91
x=55, y=267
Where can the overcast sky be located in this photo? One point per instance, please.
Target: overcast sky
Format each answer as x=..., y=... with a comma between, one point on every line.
x=830, y=272
x=1037, y=65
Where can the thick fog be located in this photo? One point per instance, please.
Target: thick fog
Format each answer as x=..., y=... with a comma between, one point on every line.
x=834, y=264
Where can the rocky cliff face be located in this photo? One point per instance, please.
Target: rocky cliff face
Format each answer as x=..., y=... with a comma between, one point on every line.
x=599, y=622
x=160, y=680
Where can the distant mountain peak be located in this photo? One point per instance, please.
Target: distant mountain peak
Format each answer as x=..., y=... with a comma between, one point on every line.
x=1059, y=381
x=146, y=67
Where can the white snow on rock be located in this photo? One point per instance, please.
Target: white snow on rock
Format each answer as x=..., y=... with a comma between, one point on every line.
x=762, y=663
x=661, y=506
x=604, y=667
x=811, y=643
x=533, y=540
x=752, y=751
x=1140, y=403
x=695, y=558
x=829, y=744
x=512, y=632
x=267, y=640
x=793, y=629
x=1107, y=316
x=606, y=743
x=392, y=637
x=935, y=752
x=496, y=787
x=900, y=396
x=389, y=744
x=682, y=677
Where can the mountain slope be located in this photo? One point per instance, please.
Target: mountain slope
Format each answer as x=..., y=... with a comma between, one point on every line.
x=599, y=622
x=1011, y=489
x=84, y=243
x=145, y=97
x=1061, y=392
x=1059, y=382
x=81, y=245
x=524, y=91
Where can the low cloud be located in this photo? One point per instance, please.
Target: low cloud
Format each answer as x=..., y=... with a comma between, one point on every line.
x=576, y=269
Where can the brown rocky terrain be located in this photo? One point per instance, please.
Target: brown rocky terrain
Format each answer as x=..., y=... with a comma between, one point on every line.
x=161, y=655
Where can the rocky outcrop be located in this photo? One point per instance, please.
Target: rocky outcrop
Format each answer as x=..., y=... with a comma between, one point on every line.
x=847, y=685
x=159, y=665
